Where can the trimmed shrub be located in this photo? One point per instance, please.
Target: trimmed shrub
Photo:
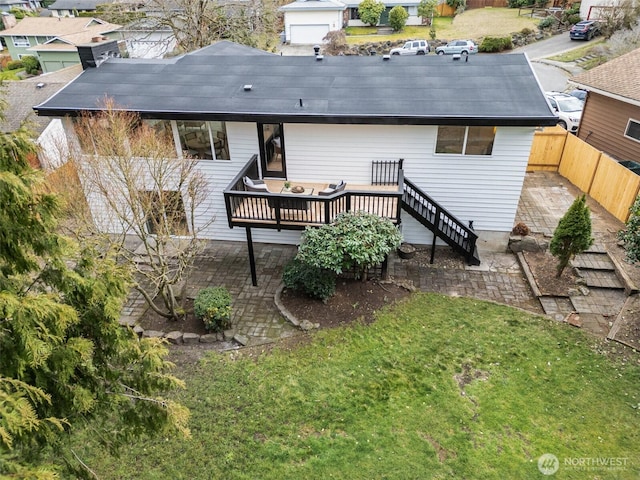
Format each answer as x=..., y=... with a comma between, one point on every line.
x=495, y=44
x=370, y=11
x=547, y=22
x=213, y=306
x=355, y=241
x=314, y=282
x=631, y=236
x=14, y=65
x=398, y=18
x=31, y=64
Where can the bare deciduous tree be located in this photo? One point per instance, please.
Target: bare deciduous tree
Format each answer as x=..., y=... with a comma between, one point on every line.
x=199, y=23
x=136, y=185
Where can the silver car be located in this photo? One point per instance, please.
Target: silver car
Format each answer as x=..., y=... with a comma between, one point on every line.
x=462, y=47
x=412, y=47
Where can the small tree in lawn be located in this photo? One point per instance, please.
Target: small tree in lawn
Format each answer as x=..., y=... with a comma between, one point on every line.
x=427, y=9
x=355, y=240
x=370, y=11
x=573, y=234
x=631, y=236
x=398, y=18
x=145, y=191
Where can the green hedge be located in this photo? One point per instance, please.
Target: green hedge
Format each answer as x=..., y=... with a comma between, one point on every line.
x=495, y=44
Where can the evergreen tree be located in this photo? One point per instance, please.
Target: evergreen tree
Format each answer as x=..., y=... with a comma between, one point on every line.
x=64, y=357
x=573, y=234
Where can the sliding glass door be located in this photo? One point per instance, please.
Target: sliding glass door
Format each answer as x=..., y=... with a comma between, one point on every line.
x=272, y=158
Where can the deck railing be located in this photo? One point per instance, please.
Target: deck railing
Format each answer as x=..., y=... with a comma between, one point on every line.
x=295, y=212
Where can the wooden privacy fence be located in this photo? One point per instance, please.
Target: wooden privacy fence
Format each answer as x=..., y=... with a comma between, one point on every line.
x=612, y=185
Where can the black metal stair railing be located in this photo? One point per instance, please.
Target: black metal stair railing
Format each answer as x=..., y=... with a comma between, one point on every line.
x=443, y=224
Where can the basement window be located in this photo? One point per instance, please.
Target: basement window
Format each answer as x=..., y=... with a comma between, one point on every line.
x=164, y=211
x=633, y=130
x=458, y=140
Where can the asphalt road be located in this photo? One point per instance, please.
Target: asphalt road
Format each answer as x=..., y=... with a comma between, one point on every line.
x=552, y=76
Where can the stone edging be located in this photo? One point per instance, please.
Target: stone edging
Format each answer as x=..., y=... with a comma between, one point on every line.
x=305, y=325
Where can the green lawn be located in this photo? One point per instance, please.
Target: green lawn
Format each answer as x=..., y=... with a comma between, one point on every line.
x=472, y=24
x=385, y=401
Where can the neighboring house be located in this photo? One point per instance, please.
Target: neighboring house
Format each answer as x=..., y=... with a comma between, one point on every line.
x=319, y=120
x=49, y=133
x=597, y=9
x=147, y=38
x=307, y=22
x=352, y=19
x=611, y=116
x=7, y=5
x=54, y=40
x=71, y=8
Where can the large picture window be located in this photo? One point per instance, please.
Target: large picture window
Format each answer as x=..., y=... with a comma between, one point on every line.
x=458, y=140
x=206, y=140
x=633, y=130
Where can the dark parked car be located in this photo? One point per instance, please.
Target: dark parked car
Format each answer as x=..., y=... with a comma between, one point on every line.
x=579, y=94
x=584, y=30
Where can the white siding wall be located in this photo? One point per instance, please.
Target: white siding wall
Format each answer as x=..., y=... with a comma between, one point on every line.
x=54, y=148
x=485, y=189
x=243, y=144
x=331, y=18
x=413, y=19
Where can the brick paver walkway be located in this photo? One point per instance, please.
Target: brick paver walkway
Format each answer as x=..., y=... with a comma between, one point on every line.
x=545, y=198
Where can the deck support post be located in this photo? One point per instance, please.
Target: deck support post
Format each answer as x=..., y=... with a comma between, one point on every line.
x=385, y=268
x=433, y=247
x=252, y=258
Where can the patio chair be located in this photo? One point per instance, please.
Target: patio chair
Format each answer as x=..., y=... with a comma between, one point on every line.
x=332, y=188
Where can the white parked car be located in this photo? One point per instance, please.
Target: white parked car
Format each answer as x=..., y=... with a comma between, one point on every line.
x=568, y=109
x=412, y=47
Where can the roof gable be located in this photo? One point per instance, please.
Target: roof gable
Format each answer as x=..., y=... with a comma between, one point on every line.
x=59, y=26
x=619, y=77
x=345, y=89
x=20, y=97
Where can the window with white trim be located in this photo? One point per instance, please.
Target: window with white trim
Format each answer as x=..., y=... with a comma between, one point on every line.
x=633, y=130
x=20, y=41
x=459, y=140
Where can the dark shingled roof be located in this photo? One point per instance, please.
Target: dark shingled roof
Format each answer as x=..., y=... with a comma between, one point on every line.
x=421, y=90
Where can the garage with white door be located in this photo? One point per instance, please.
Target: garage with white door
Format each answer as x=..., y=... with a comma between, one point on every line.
x=303, y=34
x=308, y=22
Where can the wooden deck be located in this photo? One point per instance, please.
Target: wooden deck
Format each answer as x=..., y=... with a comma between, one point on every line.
x=288, y=211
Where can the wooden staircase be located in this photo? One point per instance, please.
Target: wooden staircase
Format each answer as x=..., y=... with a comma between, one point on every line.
x=443, y=224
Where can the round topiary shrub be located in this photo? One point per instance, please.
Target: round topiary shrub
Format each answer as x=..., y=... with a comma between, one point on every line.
x=213, y=306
